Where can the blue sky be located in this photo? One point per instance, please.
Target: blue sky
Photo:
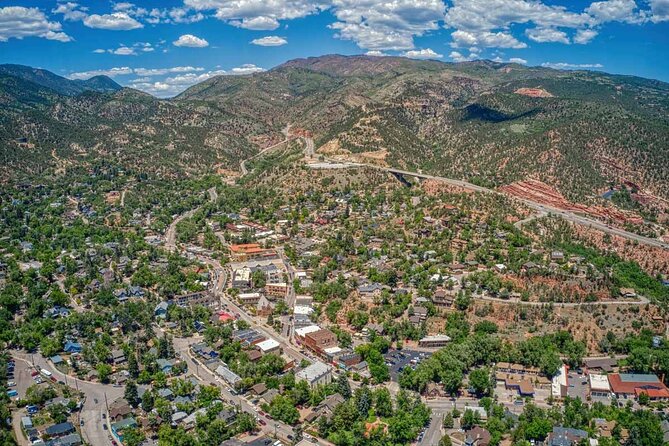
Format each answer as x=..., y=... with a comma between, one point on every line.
x=164, y=47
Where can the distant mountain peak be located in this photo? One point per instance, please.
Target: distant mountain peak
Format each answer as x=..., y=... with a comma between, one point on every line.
x=57, y=83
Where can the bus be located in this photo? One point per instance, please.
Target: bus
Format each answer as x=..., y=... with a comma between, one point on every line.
x=46, y=373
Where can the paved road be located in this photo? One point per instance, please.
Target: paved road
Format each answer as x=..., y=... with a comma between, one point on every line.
x=520, y=223
x=433, y=433
x=171, y=233
x=642, y=301
x=567, y=215
x=92, y=431
x=309, y=147
x=287, y=137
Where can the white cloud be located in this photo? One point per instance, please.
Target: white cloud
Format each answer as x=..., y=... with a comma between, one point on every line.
x=543, y=35
x=247, y=68
x=518, y=60
x=375, y=53
x=584, y=36
x=270, y=41
x=614, y=10
x=571, y=66
x=386, y=25
x=173, y=85
x=191, y=41
x=71, y=11
x=257, y=14
x=117, y=21
x=124, y=51
x=111, y=72
x=659, y=10
x=18, y=22
x=485, y=39
x=163, y=71
x=100, y=51
x=457, y=56
x=426, y=53
x=123, y=71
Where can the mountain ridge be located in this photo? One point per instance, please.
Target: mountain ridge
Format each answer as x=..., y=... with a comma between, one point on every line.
x=58, y=83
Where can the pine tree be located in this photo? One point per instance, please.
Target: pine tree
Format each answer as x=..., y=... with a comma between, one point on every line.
x=131, y=394
x=343, y=386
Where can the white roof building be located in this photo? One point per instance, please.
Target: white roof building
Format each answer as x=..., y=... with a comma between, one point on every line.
x=302, y=309
x=302, y=332
x=599, y=383
x=316, y=373
x=268, y=346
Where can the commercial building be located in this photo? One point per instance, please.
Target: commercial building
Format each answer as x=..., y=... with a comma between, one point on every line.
x=318, y=341
x=269, y=346
x=599, y=386
x=631, y=385
x=435, y=341
x=317, y=373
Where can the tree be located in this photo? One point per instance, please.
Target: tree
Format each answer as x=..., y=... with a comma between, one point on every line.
x=479, y=381
x=363, y=400
x=383, y=403
x=445, y=441
x=147, y=401
x=448, y=421
x=133, y=367
x=644, y=399
x=131, y=394
x=133, y=437
x=104, y=371
x=343, y=386
x=470, y=419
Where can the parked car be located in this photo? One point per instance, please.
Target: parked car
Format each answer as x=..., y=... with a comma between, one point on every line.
x=11, y=384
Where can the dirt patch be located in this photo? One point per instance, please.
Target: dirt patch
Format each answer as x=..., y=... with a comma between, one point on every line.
x=534, y=92
x=540, y=192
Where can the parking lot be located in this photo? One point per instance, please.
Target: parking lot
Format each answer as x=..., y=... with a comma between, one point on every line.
x=578, y=386
x=398, y=359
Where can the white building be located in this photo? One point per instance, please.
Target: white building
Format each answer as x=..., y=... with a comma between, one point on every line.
x=317, y=373
x=599, y=386
x=269, y=346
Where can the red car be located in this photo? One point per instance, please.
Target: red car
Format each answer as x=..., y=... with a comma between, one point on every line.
x=262, y=422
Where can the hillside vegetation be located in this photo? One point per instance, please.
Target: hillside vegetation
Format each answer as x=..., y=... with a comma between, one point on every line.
x=487, y=122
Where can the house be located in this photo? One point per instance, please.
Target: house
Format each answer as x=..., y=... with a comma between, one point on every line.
x=477, y=436
x=228, y=375
x=259, y=389
x=434, y=390
x=160, y=311
x=72, y=347
x=421, y=312
x=118, y=357
x=269, y=396
x=327, y=407
x=228, y=416
x=59, y=430
x=557, y=256
x=317, y=373
x=165, y=365
x=119, y=411
x=600, y=364
x=627, y=293
x=371, y=289
x=57, y=360
x=67, y=440
x=27, y=422
x=166, y=394
x=519, y=383
x=348, y=360
x=565, y=436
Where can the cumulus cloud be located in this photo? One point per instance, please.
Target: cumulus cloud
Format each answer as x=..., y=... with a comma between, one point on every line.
x=111, y=72
x=123, y=71
x=518, y=60
x=117, y=21
x=584, y=36
x=426, y=53
x=571, y=66
x=383, y=25
x=485, y=39
x=257, y=14
x=18, y=22
x=173, y=85
x=191, y=41
x=615, y=10
x=71, y=11
x=543, y=35
x=270, y=41
x=375, y=53
x=125, y=50
x=659, y=10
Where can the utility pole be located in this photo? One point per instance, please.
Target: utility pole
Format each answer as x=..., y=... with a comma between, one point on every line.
x=106, y=404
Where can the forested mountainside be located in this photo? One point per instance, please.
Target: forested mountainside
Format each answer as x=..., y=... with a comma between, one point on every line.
x=492, y=123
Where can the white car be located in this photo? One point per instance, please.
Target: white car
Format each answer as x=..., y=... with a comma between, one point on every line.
x=11, y=384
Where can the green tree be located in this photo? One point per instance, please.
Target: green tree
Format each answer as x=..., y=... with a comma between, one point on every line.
x=343, y=386
x=131, y=394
